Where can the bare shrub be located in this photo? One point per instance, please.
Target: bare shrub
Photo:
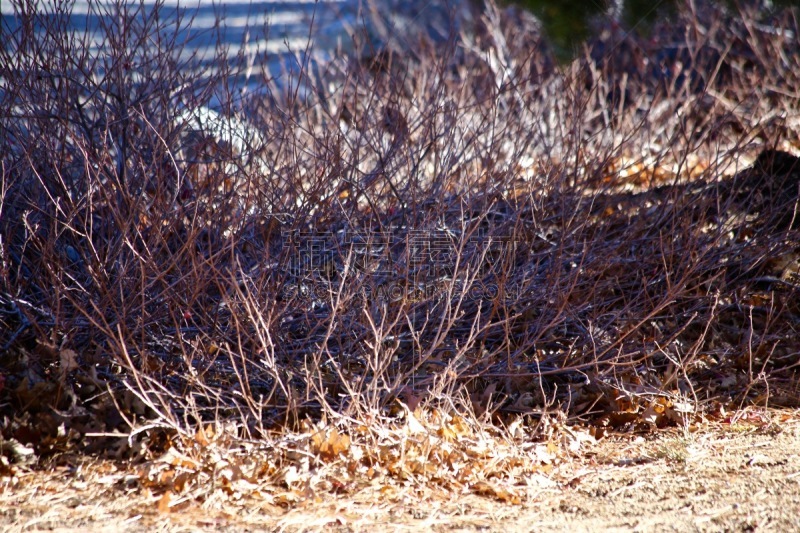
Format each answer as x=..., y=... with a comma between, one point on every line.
x=470, y=222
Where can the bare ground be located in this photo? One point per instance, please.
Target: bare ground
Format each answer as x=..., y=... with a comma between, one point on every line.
x=735, y=476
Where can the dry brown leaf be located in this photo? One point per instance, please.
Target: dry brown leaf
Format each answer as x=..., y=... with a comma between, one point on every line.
x=180, y=482
x=454, y=429
x=163, y=502
x=330, y=445
x=175, y=458
x=287, y=498
x=203, y=436
x=484, y=488
x=68, y=360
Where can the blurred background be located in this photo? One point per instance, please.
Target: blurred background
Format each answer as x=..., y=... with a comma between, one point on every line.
x=284, y=30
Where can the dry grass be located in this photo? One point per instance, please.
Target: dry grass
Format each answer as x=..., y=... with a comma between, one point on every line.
x=730, y=475
x=403, y=265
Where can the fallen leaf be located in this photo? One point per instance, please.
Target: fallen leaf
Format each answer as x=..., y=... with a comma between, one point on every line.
x=68, y=360
x=329, y=445
x=484, y=488
x=163, y=502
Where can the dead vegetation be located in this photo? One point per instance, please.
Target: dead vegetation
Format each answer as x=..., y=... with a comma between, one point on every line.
x=419, y=265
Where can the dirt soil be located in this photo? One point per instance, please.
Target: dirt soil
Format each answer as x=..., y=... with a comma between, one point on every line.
x=738, y=476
